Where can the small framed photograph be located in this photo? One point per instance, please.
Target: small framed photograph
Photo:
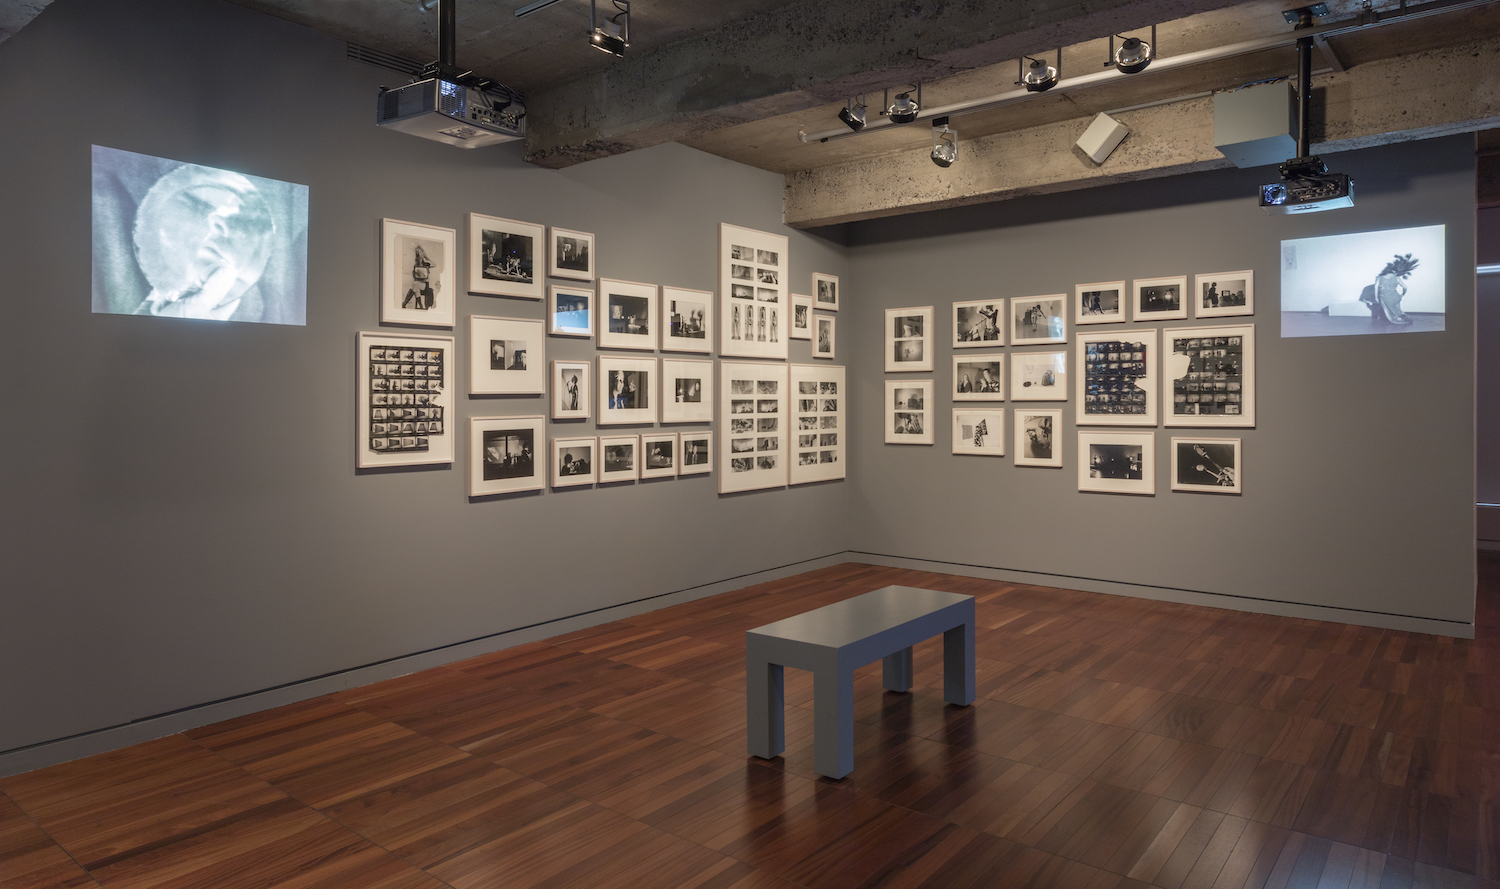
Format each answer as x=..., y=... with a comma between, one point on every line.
x=1211, y=374
x=697, y=450
x=1037, y=443
x=405, y=401
x=687, y=317
x=1100, y=303
x=687, y=391
x=570, y=254
x=503, y=455
x=506, y=356
x=417, y=281
x=823, y=336
x=570, y=390
x=754, y=293
x=1039, y=376
x=1208, y=465
x=659, y=455
x=816, y=426
x=753, y=412
x=1160, y=299
x=1035, y=320
x=979, y=377
x=1117, y=462
x=908, y=412
x=570, y=310
x=977, y=323
x=574, y=461
x=825, y=292
x=622, y=458
x=627, y=311
x=1116, y=373
x=626, y=390
x=802, y=307
x=1224, y=294
x=979, y=432
x=908, y=339
x=503, y=255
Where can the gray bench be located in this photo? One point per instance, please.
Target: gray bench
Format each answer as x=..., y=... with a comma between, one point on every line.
x=836, y=639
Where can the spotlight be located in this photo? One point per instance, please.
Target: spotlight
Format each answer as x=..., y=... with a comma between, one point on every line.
x=853, y=115
x=612, y=36
x=944, y=143
x=903, y=110
x=1133, y=55
x=1041, y=77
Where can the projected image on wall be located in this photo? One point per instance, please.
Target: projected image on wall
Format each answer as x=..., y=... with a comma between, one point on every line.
x=181, y=240
x=1366, y=282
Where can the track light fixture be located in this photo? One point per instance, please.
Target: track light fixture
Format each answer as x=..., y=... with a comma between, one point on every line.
x=853, y=114
x=1134, y=54
x=905, y=108
x=614, y=35
x=944, y=143
x=1041, y=76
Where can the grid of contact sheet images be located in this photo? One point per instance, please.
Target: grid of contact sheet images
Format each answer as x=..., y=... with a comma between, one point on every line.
x=817, y=403
x=1114, y=372
x=405, y=388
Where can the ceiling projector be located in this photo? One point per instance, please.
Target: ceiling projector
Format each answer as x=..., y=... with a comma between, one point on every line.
x=445, y=110
x=1306, y=186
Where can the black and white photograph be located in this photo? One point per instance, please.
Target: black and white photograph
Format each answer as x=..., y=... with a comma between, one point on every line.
x=570, y=390
x=659, y=455
x=406, y=399
x=1206, y=465
x=504, y=456
x=571, y=310
x=574, y=461
x=1159, y=299
x=1035, y=320
x=627, y=312
x=1212, y=375
x=980, y=432
x=1101, y=303
x=753, y=294
x=687, y=319
x=1036, y=437
x=417, y=277
x=755, y=394
x=1116, y=374
x=825, y=292
x=1224, y=294
x=908, y=339
x=506, y=356
x=503, y=257
x=977, y=323
x=180, y=240
x=823, y=336
x=1391, y=281
x=908, y=412
x=802, y=313
x=1117, y=462
x=621, y=458
x=819, y=412
x=572, y=254
x=626, y=393
x=768, y=257
x=1039, y=376
x=697, y=449
x=687, y=391
x=978, y=377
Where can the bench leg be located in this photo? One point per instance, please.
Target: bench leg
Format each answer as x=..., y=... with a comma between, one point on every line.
x=833, y=722
x=765, y=709
x=897, y=670
x=958, y=664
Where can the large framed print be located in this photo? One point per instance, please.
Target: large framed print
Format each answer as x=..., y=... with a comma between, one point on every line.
x=908, y=339
x=752, y=415
x=503, y=254
x=627, y=311
x=506, y=356
x=1212, y=374
x=1206, y=465
x=697, y=452
x=976, y=323
x=823, y=336
x=1159, y=299
x=979, y=377
x=687, y=391
x=818, y=404
x=570, y=310
x=1037, y=437
x=626, y=390
x=1101, y=303
x=1116, y=373
x=621, y=456
x=801, y=317
x=1224, y=294
x=1117, y=462
x=825, y=291
x=753, y=293
x=416, y=274
x=570, y=254
x=908, y=412
x=570, y=390
x=405, y=399
x=687, y=320
x=1037, y=320
x=503, y=454
x=1039, y=376
x=575, y=461
x=659, y=455
x=979, y=431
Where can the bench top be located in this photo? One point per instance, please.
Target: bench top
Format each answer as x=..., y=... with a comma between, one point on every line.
x=852, y=620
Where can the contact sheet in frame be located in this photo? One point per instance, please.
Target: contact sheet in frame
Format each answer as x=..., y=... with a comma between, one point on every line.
x=753, y=412
x=405, y=401
x=755, y=305
x=817, y=403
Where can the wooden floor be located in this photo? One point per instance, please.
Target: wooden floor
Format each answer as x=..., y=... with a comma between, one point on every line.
x=1116, y=743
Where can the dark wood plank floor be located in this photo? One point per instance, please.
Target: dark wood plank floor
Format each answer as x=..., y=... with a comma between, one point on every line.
x=1115, y=744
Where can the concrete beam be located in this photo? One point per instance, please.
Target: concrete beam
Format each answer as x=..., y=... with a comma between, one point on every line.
x=17, y=14
x=1419, y=96
x=806, y=55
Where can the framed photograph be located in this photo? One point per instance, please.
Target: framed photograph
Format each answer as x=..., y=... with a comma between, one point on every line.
x=979, y=432
x=697, y=448
x=627, y=311
x=570, y=254
x=977, y=323
x=802, y=307
x=817, y=452
x=659, y=455
x=1100, y=303
x=570, y=310
x=622, y=458
x=1160, y=299
x=825, y=291
x=1116, y=374
x=979, y=377
x=626, y=390
x=506, y=356
x=574, y=461
x=687, y=391
x=1117, y=462
x=1037, y=441
x=405, y=399
x=1035, y=320
x=754, y=301
x=1208, y=465
x=416, y=274
x=570, y=390
x=503, y=455
x=1039, y=376
x=1224, y=294
x=908, y=412
x=687, y=318
x=1212, y=374
x=753, y=416
x=503, y=255
x=823, y=336
x=908, y=339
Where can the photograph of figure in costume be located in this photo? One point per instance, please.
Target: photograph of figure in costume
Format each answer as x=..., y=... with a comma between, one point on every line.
x=1365, y=282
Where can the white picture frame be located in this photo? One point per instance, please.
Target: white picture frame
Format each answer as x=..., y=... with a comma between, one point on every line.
x=507, y=356
x=1206, y=465
x=823, y=336
x=411, y=386
x=977, y=324
x=816, y=438
x=1038, y=437
x=1099, y=303
x=619, y=458
x=504, y=255
x=908, y=340
x=1114, y=462
x=571, y=310
x=1233, y=405
x=687, y=320
x=575, y=461
x=417, y=278
x=687, y=390
x=908, y=412
x=978, y=377
x=1039, y=376
x=1159, y=299
x=627, y=313
x=1224, y=294
x=825, y=291
x=697, y=452
x=979, y=431
x=627, y=390
x=1039, y=320
x=754, y=303
x=571, y=387
x=1115, y=377
x=753, y=456
x=659, y=455
x=802, y=315
x=506, y=455
x=570, y=254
